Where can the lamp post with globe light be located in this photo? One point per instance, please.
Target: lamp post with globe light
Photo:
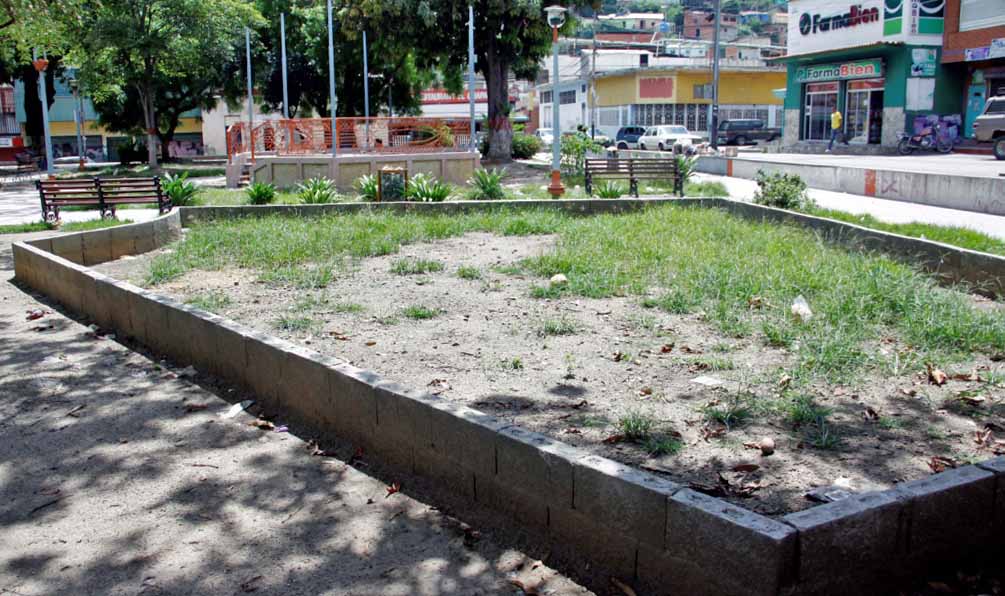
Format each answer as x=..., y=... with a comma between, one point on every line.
x=556, y=18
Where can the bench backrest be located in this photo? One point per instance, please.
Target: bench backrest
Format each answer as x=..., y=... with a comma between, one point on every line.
x=63, y=191
x=130, y=190
x=110, y=191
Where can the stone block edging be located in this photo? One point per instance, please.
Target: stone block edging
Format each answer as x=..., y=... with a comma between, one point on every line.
x=627, y=522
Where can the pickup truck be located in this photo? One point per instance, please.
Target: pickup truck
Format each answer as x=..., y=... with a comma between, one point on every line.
x=743, y=132
x=989, y=127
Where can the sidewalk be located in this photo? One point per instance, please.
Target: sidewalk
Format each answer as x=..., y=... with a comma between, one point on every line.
x=953, y=164
x=120, y=476
x=882, y=209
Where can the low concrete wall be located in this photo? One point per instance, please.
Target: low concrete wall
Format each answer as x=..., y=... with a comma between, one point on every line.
x=983, y=195
x=454, y=167
x=601, y=517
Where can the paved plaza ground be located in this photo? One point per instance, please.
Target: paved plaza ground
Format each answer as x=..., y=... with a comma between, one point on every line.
x=954, y=164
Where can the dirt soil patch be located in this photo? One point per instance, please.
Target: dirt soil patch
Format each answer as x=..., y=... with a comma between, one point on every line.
x=669, y=393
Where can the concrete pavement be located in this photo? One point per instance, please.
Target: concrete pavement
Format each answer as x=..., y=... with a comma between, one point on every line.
x=953, y=164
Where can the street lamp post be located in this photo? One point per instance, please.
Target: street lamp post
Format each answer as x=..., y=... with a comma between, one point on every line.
x=78, y=119
x=556, y=18
x=40, y=65
x=713, y=133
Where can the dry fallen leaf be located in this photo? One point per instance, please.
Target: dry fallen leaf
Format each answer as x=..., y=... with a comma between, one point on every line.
x=371, y=343
x=394, y=488
x=572, y=430
x=909, y=392
x=618, y=356
x=614, y=439
x=870, y=414
x=974, y=400
x=262, y=424
x=646, y=391
x=746, y=467
x=941, y=463
x=971, y=376
x=936, y=376
x=784, y=381
x=756, y=302
x=666, y=349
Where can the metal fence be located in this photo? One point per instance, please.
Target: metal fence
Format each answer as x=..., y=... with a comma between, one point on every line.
x=303, y=136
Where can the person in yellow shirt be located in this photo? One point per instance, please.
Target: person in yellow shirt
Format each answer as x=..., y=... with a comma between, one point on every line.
x=836, y=121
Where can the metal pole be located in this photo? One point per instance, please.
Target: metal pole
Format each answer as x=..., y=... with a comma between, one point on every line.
x=555, y=189
x=42, y=96
x=593, y=87
x=251, y=101
x=282, y=40
x=331, y=79
x=78, y=118
x=713, y=133
x=471, y=75
x=366, y=91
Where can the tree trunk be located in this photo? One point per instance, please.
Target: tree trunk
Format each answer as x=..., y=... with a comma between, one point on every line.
x=165, y=140
x=150, y=119
x=500, y=129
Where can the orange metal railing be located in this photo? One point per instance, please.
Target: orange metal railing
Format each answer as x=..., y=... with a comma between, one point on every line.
x=301, y=136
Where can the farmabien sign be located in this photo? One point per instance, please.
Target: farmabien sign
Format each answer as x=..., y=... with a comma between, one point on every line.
x=858, y=69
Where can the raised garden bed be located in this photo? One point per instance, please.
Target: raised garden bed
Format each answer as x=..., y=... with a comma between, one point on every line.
x=671, y=347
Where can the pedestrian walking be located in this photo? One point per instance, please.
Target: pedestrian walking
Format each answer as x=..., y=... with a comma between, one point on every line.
x=836, y=121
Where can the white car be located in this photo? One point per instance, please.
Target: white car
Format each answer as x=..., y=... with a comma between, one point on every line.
x=546, y=136
x=663, y=138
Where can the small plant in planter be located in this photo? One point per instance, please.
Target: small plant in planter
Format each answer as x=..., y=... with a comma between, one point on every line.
x=610, y=190
x=317, y=191
x=425, y=188
x=486, y=185
x=179, y=190
x=366, y=186
x=785, y=191
x=261, y=193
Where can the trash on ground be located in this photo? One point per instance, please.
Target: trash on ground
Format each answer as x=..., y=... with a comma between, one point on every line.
x=801, y=309
x=236, y=409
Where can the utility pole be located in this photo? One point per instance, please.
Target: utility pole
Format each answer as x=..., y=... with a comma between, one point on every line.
x=251, y=103
x=282, y=39
x=40, y=65
x=331, y=80
x=593, y=85
x=471, y=74
x=713, y=131
x=366, y=91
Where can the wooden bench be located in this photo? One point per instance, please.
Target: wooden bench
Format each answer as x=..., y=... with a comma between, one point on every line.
x=104, y=193
x=633, y=169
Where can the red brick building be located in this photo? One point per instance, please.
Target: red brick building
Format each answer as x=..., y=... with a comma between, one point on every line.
x=974, y=46
x=700, y=24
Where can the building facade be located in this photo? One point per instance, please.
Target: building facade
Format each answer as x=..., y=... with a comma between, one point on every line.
x=877, y=61
x=572, y=99
x=974, y=49
x=683, y=95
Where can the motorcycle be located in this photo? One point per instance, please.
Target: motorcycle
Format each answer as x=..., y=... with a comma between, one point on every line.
x=930, y=138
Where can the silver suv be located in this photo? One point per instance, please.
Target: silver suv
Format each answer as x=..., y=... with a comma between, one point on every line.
x=989, y=127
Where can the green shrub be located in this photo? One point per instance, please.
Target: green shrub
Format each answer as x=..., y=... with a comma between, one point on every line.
x=778, y=189
x=367, y=187
x=525, y=146
x=317, y=191
x=686, y=166
x=609, y=189
x=261, y=193
x=575, y=148
x=179, y=190
x=486, y=185
x=425, y=188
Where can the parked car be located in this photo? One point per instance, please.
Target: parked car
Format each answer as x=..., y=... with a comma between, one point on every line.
x=546, y=136
x=989, y=127
x=663, y=138
x=628, y=137
x=743, y=132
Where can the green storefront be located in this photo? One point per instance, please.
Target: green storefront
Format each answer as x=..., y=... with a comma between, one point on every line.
x=881, y=73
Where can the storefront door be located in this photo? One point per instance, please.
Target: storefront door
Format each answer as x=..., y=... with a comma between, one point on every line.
x=864, y=111
x=821, y=99
x=975, y=105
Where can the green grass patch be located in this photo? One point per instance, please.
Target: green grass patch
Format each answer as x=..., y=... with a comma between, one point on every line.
x=295, y=324
x=419, y=313
x=37, y=226
x=93, y=224
x=214, y=301
x=709, y=261
x=954, y=235
x=415, y=266
x=470, y=273
x=636, y=426
x=560, y=326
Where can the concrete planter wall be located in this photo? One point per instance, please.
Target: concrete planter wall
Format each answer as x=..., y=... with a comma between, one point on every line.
x=454, y=167
x=595, y=512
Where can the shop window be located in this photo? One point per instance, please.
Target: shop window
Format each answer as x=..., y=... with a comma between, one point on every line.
x=567, y=97
x=546, y=97
x=981, y=14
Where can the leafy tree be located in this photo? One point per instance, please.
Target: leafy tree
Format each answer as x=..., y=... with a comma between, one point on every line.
x=510, y=37
x=152, y=52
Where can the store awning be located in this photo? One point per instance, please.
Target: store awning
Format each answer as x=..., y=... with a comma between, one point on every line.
x=845, y=53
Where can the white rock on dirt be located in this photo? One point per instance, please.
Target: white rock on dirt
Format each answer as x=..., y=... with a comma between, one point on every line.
x=559, y=280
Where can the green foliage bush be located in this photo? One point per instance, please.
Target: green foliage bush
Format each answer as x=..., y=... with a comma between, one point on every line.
x=426, y=188
x=608, y=189
x=686, y=166
x=525, y=146
x=486, y=185
x=179, y=190
x=367, y=187
x=317, y=191
x=778, y=189
x=575, y=148
x=261, y=193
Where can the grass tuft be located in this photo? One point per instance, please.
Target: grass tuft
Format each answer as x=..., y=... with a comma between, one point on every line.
x=415, y=266
x=419, y=313
x=214, y=301
x=471, y=273
x=561, y=326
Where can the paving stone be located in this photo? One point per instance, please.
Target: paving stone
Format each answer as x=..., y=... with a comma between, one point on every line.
x=749, y=553
x=867, y=533
x=951, y=513
x=619, y=496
